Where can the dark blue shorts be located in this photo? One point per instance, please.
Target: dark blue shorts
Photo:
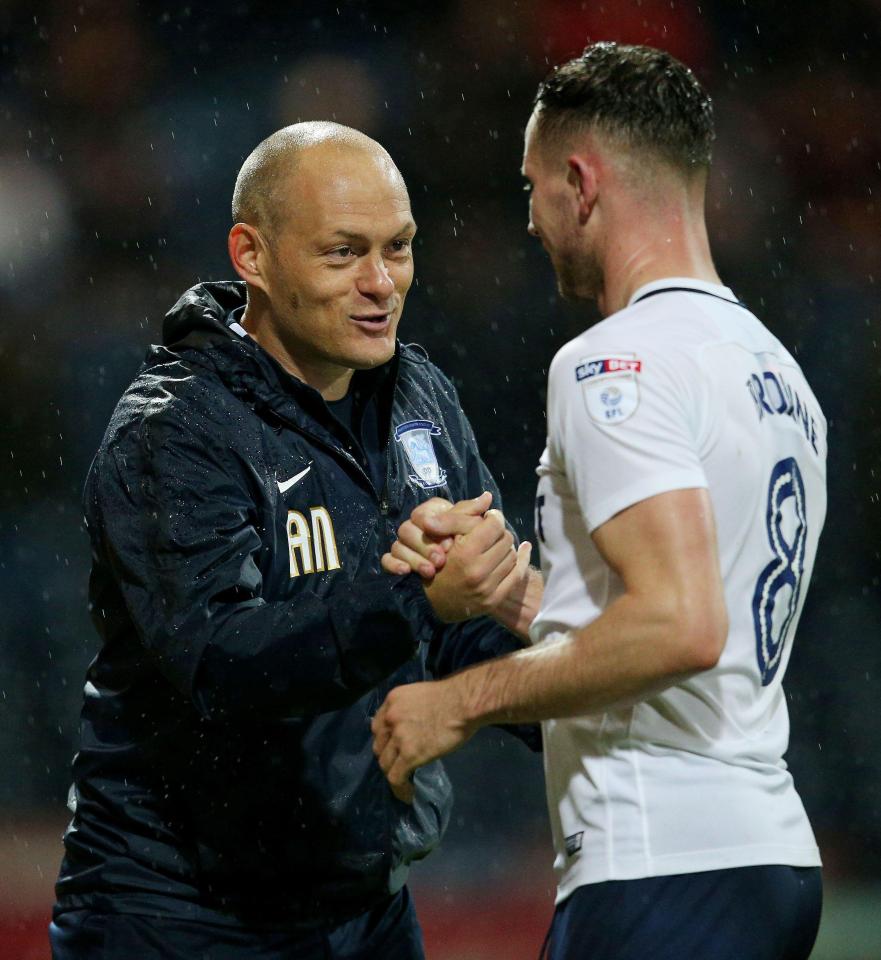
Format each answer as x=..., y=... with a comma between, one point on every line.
x=748, y=913
x=390, y=931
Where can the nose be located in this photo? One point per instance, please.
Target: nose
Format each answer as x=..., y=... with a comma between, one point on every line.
x=374, y=280
x=530, y=228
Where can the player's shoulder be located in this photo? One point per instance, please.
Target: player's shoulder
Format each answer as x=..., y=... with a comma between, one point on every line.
x=620, y=343
x=669, y=323
x=683, y=322
x=672, y=318
x=175, y=389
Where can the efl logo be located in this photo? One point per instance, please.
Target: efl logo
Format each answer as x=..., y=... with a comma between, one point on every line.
x=606, y=365
x=610, y=386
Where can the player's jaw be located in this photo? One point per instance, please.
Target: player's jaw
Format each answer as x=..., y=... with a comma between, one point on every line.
x=578, y=271
x=579, y=277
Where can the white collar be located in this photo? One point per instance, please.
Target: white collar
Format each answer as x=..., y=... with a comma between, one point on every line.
x=682, y=283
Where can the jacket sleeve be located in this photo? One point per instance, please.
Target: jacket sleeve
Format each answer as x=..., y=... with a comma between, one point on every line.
x=178, y=528
x=459, y=645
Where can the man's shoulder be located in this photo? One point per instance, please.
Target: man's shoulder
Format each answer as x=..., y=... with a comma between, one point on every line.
x=631, y=350
x=606, y=347
x=673, y=333
x=682, y=319
x=169, y=423
x=171, y=393
x=418, y=370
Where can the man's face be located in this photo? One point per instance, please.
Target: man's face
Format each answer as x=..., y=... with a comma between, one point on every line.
x=553, y=218
x=341, y=260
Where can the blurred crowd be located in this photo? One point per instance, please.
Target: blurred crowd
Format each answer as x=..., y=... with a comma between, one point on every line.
x=123, y=126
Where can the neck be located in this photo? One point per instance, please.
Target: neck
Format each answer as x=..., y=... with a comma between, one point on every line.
x=653, y=244
x=329, y=379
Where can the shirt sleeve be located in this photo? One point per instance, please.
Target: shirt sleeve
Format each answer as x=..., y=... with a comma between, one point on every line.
x=623, y=422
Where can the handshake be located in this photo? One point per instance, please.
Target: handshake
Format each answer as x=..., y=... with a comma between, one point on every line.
x=469, y=567
x=466, y=558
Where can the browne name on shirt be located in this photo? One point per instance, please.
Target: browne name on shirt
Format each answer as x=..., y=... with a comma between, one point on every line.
x=774, y=396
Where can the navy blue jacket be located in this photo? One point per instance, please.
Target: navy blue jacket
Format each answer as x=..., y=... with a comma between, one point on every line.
x=225, y=768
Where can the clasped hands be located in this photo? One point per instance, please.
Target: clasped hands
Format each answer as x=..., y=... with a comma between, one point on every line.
x=469, y=567
x=463, y=552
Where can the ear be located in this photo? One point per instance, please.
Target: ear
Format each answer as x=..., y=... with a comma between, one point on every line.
x=247, y=251
x=583, y=177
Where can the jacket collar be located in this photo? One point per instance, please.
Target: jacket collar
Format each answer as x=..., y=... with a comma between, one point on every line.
x=196, y=329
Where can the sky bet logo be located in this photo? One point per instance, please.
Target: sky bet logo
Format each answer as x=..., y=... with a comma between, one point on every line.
x=610, y=387
x=605, y=365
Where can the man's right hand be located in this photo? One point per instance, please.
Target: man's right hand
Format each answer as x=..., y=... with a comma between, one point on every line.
x=465, y=555
x=425, y=539
x=481, y=570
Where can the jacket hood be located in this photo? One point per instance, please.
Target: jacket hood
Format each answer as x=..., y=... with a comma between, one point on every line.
x=196, y=332
x=203, y=309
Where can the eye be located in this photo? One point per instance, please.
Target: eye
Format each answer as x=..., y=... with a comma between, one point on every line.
x=341, y=253
x=402, y=245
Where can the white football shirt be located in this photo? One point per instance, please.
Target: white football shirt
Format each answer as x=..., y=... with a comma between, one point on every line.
x=683, y=388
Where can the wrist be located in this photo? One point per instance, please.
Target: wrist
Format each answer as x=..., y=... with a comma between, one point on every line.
x=519, y=607
x=473, y=697
x=511, y=615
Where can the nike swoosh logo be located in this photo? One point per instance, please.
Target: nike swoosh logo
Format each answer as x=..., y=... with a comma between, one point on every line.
x=287, y=484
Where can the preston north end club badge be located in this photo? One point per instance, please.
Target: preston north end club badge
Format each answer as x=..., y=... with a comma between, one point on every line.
x=415, y=437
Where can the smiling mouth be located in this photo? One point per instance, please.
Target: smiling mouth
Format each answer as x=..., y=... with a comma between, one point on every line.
x=373, y=321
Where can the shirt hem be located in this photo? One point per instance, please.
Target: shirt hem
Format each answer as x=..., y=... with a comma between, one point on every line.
x=684, y=863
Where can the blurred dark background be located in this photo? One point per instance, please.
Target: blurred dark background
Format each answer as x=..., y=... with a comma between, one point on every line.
x=122, y=127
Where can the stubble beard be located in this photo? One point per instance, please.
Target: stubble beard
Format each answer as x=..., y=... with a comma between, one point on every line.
x=579, y=277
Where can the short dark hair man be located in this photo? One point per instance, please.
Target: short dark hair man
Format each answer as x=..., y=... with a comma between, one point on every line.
x=226, y=801
x=680, y=500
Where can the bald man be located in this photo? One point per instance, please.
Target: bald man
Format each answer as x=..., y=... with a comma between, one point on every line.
x=226, y=801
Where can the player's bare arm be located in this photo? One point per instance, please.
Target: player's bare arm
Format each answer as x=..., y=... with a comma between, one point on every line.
x=669, y=624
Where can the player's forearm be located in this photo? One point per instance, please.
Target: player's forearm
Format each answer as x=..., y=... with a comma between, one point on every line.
x=519, y=608
x=634, y=650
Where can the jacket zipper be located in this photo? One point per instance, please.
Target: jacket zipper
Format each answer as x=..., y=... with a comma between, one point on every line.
x=382, y=496
x=339, y=451
x=386, y=487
